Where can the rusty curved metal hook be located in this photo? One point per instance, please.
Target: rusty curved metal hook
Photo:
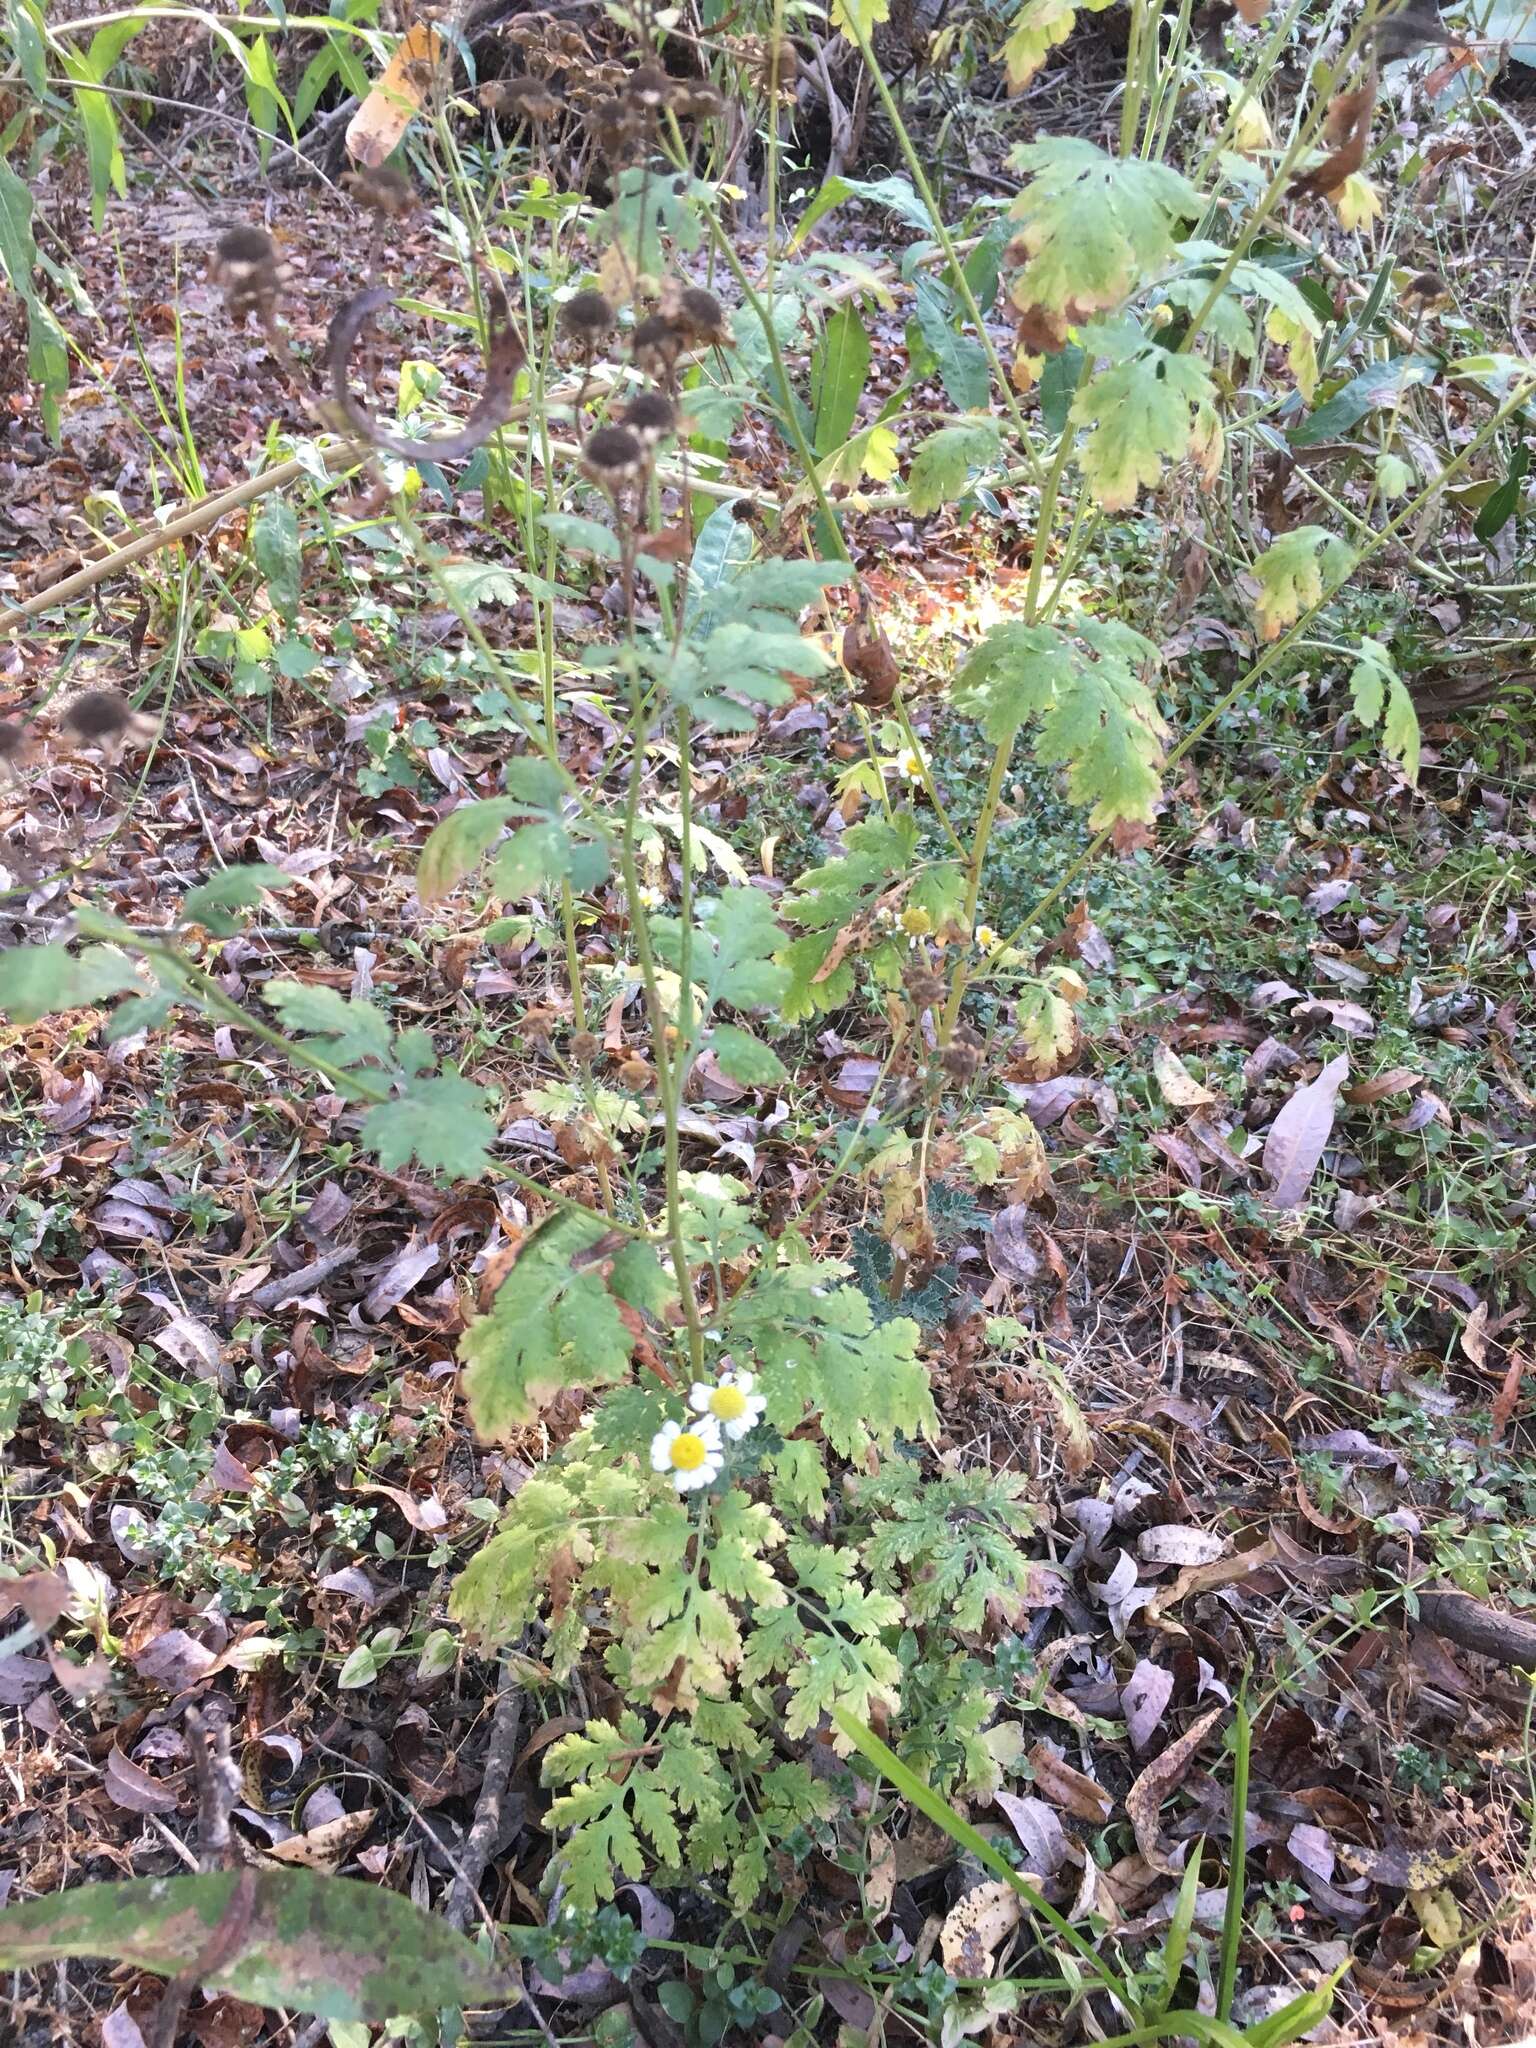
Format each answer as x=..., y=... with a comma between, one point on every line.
x=504, y=357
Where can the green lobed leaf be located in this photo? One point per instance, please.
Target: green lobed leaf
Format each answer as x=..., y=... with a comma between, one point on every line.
x=354, y=1031
x=944, y=462
x=1094, y=226
x=212, y=903
x=549, y=1327
x=1140, y=414
x=279, y=555
x=331, y=1946
x=961, y=361
x=732, y=953
x=37, y=981
x=1295, y=573
x=1380, y=698
x=745, y=1058
x=441, y=1121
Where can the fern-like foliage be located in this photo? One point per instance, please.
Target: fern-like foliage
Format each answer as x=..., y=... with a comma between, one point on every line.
x=1096, y=715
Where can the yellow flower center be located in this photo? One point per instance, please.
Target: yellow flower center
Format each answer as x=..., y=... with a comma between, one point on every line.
x=689, y=1451
x=916, y=921
x=729, y=1403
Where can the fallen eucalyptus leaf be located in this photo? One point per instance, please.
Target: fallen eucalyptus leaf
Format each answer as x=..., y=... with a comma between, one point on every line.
x=324, y=1945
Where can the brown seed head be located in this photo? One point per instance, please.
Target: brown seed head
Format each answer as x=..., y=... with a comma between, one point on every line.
x=699, y=316
x=383, y=190
x=98, y=717
x=586, y=317
x=523, y=99
x=245, y=245
x=648, y=86
x=652, y=416
x=656, y=345
x=585, y=1047
x=925, y=987
x=613, y=455
x=635, y=1075
x=247, y=270
x=699, y=103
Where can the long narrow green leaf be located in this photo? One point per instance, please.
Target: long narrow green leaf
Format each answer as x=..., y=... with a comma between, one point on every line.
x=1237, y=1862
x=938, y=1809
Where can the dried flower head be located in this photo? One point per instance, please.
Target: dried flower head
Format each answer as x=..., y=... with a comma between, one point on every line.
x=1425, y=289
x=585, y=318
x=613, y=456
x=652, y=416
x=522, y=99
x=615, y=126
x=383, y=189
x=247, y=269
x=648, y=86
x=961, y=1058
x=781, y=63
x=698, y=316
x=699, y=103
x=585, y=1047
x=656, y=345
x=925, y=987
x=98, y=717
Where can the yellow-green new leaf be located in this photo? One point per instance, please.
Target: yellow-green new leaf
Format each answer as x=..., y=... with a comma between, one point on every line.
x=858, y=18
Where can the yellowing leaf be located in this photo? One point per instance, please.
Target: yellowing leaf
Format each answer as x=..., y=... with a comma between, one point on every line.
x=1040, y=27
x=1178, y=1085
x=1295, y=572
x=859, y=18
x=1090, y=226
x=375, y=129
x=973, y=1928
x=1300, y=345
x=872, y=453
x=1356, y=201
x=1379, y=698
x=1251, y=131
x=1139, y=415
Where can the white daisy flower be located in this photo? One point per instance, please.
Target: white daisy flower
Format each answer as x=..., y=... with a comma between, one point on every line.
x=731, y=1403
x=692, y=1456
x=909, y=764
x=650, y=896
x=988, y=939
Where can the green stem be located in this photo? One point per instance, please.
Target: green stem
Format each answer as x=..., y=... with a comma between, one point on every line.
x=1272, y=654
x=957, y=277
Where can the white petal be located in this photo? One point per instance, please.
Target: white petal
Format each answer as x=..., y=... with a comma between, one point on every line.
x=698, y=1397
x=707, y=1430
x=744, y=1380
x=737, y=1430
